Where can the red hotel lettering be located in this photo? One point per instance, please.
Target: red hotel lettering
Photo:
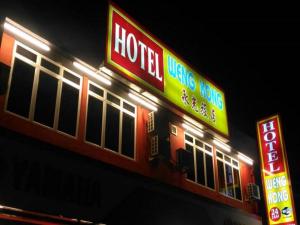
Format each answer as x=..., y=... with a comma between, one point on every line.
x=136, y=52
x=124, y=42
x=271, y=144
x=269, y=137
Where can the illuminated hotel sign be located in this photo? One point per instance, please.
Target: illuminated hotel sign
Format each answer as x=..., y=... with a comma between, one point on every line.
x=275, y=173
x=139, y=57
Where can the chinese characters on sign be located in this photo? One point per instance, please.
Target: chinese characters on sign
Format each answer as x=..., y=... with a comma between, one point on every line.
x=275, y=173
x=199, y=108
x=197, y=95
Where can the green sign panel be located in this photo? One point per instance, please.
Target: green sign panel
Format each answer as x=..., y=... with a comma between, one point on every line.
x=193, y=93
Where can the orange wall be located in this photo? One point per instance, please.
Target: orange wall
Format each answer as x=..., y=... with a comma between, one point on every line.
x=165, y=172
x=6, y=49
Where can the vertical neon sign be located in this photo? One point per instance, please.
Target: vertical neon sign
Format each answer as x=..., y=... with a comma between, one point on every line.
x=275, y=173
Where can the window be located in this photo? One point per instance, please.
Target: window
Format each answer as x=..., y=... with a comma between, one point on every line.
x=26, y=53
x=228, y=176
x=110, y=121
x=94, y=116
x=128, y=135
x=21, y=84
x=68, y=107
x=112, y=128
x=46, y=99
x=43, y=91
x=201, y=171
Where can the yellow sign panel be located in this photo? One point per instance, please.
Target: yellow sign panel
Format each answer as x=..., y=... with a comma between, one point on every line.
x=278, y=198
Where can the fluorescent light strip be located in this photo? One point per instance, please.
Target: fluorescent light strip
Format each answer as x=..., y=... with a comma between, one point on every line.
x=26, y=36
x=222, y=145
x=143, y=102
x=245, y=158
x=70, y=83
x=197, y=132
x=91, y=73
x=192, y=121
x=150, y=96
x=106, y=70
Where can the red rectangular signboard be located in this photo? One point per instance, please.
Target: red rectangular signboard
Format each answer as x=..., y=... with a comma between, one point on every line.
x=136, y=52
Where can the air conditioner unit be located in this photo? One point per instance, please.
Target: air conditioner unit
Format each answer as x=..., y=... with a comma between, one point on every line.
x=184, y=159
x=151, y=122
x=158, y=122
x=159, y=135
x=253, y=191
x=154, y=146
x=159, y=147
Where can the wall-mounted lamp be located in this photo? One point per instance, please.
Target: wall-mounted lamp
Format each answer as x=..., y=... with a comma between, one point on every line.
x=13, y=29
x=222, y=145
x=193, y=130
x=106, y=70
x=245, y=158
x=150, y=96
x=142, y=102
x=91, y=73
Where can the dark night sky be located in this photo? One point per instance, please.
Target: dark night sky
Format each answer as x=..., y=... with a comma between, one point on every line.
x=253, y=57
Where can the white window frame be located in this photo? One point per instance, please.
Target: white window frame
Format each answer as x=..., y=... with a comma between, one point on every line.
x=122, y=110
x=198, y=148
x=224, y=162
x=38, y=67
